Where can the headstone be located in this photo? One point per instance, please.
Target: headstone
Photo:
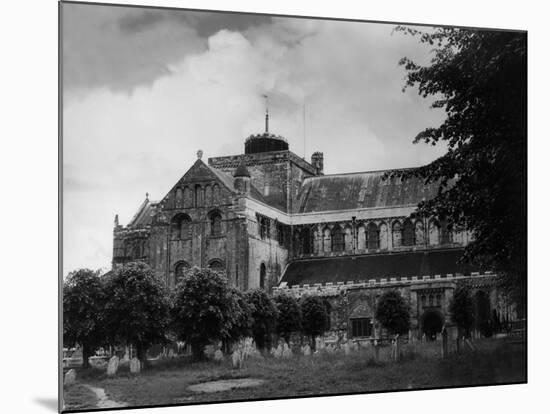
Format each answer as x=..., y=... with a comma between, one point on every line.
x=306, y=350
x=376, y=351
x=126, y=356
x=347, y=349
x=135, y=365
x=218, y=355
x=278, y=352
x=171, y=353
x=70, y=377
x=112, y=367
x=237, y=359
x=287, y=352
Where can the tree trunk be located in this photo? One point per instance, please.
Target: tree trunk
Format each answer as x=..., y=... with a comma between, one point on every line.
x=141, y=354
x=85, y=356
x=198, y=351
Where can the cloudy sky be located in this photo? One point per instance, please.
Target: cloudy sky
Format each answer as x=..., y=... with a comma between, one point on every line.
x=144, y=89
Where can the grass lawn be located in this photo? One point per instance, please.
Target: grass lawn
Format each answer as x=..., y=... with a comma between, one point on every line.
x=495, y=361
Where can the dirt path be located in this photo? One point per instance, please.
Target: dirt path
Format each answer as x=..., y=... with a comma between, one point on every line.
x=102, y=400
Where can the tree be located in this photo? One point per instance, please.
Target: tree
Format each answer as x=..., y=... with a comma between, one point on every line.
x=393, y=313
x=264, y=317
x=314, y=317
x=479, y=77
x=462, y=309
x=289, y=317
x=83, y=301
x=206, y=309
x=137, y=307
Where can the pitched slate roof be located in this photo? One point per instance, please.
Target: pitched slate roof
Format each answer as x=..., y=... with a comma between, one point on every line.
x=375, y=266
x=360, y=190
x=145, y=214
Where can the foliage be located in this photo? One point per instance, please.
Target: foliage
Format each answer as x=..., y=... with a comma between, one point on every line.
x=264, y=317
x=83, y=300
x=314, y=316
x=462, y=309
x=289, y=317
x=206, y=309
x=242, y=326
x=479, y=78
x=137, y=307
x=393, y=313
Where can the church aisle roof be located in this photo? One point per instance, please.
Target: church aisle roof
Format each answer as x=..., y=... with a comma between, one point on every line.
x=361, y=190
x=144, y=215
x=375, y=266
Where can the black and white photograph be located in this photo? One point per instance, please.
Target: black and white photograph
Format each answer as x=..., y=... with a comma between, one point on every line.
x=265, y=206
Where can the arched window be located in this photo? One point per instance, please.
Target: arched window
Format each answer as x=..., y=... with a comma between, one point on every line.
x=199, y=200
x=327, y=240
x=179, y=198
x=408, y=233
x=180, y=270
x=419, y=233
x=361, y=238
x=215, y=223
x=216, y=265
x=445, y=232
x=262, y=275
x=431, y=300
x=305, y=240
x=373, y=236
x=383, y=236
x=337, y=239
x=216, y=195
x=180, y=227
x=434, y=233
x=396, y=234
x=187, y=197
x=438, y=299
x=208, y=195
x=315, y=244
x=348, y=239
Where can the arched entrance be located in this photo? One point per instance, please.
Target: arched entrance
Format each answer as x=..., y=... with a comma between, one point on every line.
x=432, y=323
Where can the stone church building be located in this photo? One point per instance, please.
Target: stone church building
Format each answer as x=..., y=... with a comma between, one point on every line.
x=272, y=220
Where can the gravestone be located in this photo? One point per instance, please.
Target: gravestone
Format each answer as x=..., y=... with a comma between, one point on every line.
x=112, y=366
x=171, y=353
x=218, y=355
x=70, y=377
x=347, y=349
x=135, y=365
x=287, y=352
x=306, y=350
x=237, y=359
x=278, y=352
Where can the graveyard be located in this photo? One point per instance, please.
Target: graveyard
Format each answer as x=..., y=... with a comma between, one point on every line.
x=247, y=374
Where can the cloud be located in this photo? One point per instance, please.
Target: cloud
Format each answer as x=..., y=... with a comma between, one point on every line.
x=117, y=146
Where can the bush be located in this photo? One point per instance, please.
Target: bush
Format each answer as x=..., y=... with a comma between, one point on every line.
x=393, y=313
x=314, y=317
x=289, y=318
x=137, y=308
x=206, y=309
x=264, y=317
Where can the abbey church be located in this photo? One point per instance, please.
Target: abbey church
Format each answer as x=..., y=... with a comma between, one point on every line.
x=272, y=220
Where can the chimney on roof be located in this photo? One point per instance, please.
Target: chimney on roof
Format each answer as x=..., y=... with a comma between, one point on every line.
x=242, y=178
x=317, y=162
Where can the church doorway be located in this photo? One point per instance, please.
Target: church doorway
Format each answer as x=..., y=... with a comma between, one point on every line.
x=432, y=324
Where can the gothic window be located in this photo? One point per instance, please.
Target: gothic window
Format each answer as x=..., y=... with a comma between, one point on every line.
x=445, y=232
x=348, y=239
x=419, y=232
x=216, y=265
x=305, y=240
x=396, y=234
x=361, y=238
x=423, y=300
x=262, y=275
x=179, y=197
x=199, y=200
x=373, y=236
x=408, y=233
x=180, y=227
x=434, y=233
x=438, y=299
x=208, y=195
x=216, y=194
x=361, y=327
x=315, y=241
x=180, y=270
x=187, y=197
x=337, y=239
x=215, y=223
x=327, y=240
x=431, y=300
x=383, y=236
x=264, y=226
